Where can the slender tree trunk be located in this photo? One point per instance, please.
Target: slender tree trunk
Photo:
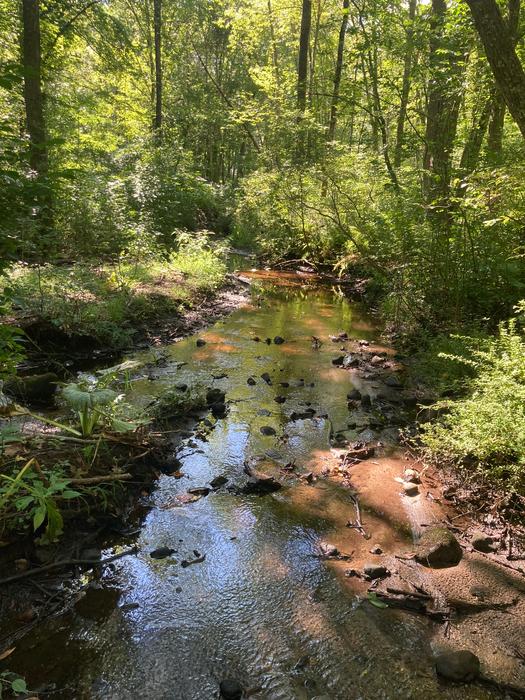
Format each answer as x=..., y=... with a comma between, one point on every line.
x=34, y=108
x=151, y=59
x=313, y=53
x=472, y=148
x=405, y=88
x=157, y=24
x=338, y=72
x=498, y=43
x=274, y=43
x=302, y=63
x=495, y=136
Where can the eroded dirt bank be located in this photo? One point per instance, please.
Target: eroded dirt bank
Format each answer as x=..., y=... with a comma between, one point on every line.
x=279, y=550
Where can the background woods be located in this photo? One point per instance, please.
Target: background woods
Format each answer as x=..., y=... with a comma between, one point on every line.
x=379, y=134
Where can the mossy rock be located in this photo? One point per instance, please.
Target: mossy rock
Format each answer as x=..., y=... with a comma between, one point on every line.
x=38, y=388
x=438, y=548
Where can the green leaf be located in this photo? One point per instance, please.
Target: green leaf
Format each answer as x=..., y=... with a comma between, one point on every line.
x=81, y=399
x=39, y=516
x=375, y=601
x=19, y=686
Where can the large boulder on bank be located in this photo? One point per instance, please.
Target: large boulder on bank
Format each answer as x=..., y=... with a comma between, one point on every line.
x=438, y=548
x=458, y=666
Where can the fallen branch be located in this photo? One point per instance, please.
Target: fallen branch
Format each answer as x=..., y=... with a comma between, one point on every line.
x=358, y=525
x=65, y=563
x=90, y=480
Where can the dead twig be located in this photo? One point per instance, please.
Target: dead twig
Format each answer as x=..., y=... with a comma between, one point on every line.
x=91, y=480
x=65, y=563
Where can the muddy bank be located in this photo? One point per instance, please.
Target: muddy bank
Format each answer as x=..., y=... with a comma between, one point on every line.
x=51, y=349
x=254, y=558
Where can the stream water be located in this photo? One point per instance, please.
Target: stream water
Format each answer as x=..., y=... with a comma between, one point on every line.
x=262, y=607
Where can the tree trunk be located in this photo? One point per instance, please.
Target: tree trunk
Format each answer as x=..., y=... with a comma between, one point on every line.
x=338, y=71
x=472, y=148
x=157, y=24
x=34, y=108
x=444, y=99
x=498, y=42
x=302, y=64
x=405, y=88
x=495, y=137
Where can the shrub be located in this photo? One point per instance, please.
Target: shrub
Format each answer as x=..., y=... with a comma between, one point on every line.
x=487, y=427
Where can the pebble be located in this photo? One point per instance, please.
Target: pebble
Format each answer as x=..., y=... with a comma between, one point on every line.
x=251, y=381
x=200, y=342
x=410, y=489
x=278, y=340
x=268, y=430
x=412, y=476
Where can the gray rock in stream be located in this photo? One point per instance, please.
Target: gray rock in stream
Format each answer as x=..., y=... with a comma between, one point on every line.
x=458, y=666
x=438, y=548
x=231, y=689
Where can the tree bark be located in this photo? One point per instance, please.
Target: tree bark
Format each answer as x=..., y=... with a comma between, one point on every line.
x=157, y=25
x=34, y=109
x=302, y=63
x=443, y=107
x=498, y=43
x=495, y=136
x=405, y=88
x=338, y=71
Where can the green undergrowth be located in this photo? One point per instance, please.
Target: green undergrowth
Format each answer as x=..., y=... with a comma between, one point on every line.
x=483, y=430
x=108, y=302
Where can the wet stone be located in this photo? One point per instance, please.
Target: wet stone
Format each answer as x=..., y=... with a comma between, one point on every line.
x=373, y=571
x=199, y=491
x=411, y=475
x=393, y=381
x=376, y=549
x=251, y=381
x=366, y=401
x=200, y=342
x=231, y=689
x=338, y=361
x=459, y=666
x=354, y=395
x=278, y=340
x=410, y=489
x=438, y=548
x=280, y=399
x=162, y=553
x=266, y=377
x=268, y=430
x=218, y=481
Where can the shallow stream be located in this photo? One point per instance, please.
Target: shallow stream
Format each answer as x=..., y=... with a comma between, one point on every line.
x=263, y=607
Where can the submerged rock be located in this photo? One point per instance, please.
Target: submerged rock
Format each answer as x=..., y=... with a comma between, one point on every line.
x=458, y=666
x=199, y=491
x=278, y=340
x=266, y=377
x=268, y=430
x=354, y=395
x=218, y=481
x=438, y=548
x=231, y=689
x=259, y=483
x=200, y=342
x=162, y=553
x=251, y=381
